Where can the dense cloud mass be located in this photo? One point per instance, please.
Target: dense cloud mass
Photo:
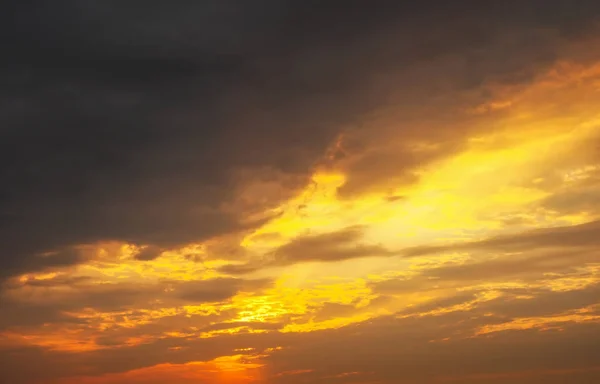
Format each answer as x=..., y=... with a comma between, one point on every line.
x=283, y=191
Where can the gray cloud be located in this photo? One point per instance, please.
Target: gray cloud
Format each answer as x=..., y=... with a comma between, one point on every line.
x=544, y=303
x=53, y=309
x=437, y=304
x=216, y=290
x=530, y=264
x=392, y=349
x=328, y=247
x=336, y=246
x=575, y=236
x=129, y=122
x=132, y=121
x=401, y=351
x=514, y=266
x=149, y=253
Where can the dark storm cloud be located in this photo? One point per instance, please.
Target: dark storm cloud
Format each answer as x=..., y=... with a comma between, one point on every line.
x=128, y=120
x=125, y=121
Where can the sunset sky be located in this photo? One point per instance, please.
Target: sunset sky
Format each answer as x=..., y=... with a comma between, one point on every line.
x=300, y=191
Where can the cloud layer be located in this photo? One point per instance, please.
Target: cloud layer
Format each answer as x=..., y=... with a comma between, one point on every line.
x=299, y=192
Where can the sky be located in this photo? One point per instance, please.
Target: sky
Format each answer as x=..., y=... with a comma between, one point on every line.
x=288, y=192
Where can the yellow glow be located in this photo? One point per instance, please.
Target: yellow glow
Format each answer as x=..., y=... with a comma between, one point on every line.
x=536, y=147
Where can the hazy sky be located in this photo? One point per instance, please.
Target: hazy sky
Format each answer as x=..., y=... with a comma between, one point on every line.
x=287, y=192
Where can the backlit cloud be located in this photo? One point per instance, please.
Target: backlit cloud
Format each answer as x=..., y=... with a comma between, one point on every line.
x=284, y=191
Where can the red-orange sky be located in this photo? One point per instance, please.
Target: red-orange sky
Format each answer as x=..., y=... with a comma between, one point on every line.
x=287, y=192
